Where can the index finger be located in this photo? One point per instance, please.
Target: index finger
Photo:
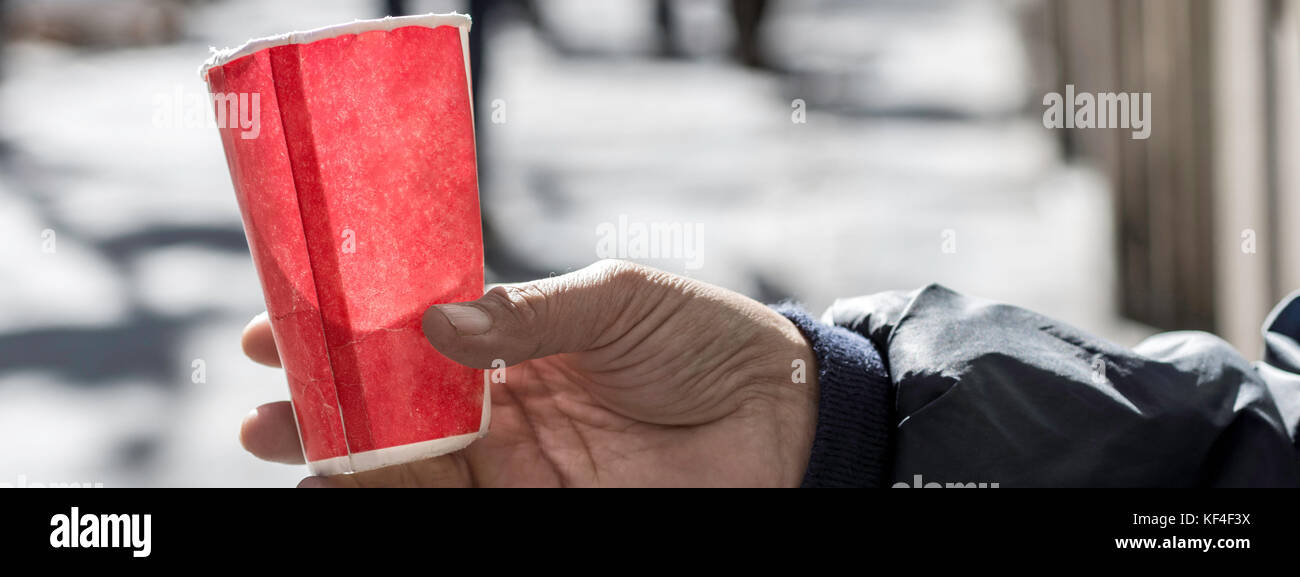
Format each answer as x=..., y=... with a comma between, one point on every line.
x=258, y=343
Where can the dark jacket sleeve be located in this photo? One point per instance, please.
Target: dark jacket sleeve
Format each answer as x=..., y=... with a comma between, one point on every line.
x=1281, y=365
x=992, y=393
x=854, y=414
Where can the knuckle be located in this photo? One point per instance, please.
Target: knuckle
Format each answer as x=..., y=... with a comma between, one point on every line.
x=614, y=271
x=526, y=304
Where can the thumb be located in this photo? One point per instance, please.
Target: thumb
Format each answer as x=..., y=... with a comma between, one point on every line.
x=575, y=312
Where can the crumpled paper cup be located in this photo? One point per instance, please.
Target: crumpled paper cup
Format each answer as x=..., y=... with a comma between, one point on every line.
x=351, y=149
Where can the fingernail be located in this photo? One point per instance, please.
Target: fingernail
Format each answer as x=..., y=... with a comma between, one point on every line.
x=467, y=320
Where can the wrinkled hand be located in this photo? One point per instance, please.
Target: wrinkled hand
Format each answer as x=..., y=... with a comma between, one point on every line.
x=619, y=375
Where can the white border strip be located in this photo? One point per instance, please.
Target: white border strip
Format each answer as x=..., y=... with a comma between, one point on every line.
x=386, y=456
x=223, y=57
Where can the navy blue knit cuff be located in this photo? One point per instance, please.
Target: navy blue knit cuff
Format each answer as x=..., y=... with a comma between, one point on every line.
x=855, y=410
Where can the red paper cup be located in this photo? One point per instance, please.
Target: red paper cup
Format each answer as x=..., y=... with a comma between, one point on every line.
x=351, y=149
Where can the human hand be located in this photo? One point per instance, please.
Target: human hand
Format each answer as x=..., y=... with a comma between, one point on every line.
x=619, y=375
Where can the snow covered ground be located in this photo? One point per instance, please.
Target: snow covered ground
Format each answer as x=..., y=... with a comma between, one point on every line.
x=124, y=269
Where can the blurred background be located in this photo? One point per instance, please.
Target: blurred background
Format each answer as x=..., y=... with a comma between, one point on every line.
x=822, y=149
